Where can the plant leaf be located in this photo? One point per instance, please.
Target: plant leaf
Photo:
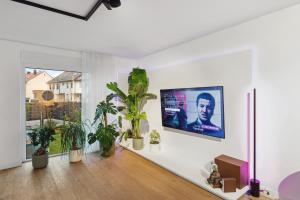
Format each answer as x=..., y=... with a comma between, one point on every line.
x=143, y=116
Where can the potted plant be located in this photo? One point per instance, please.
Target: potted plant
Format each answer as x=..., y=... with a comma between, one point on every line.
x=134, y=102
x=154, y=141
x=105, y=133
x=41, y=139
x=73, y=138
x=125, y=135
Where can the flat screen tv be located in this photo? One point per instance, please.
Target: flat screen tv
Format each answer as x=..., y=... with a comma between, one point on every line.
x=198, y=110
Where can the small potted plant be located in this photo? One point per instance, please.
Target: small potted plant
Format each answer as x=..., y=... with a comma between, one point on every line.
x=73, y=138
x=154, y=141
x=105, y=133
x=41, y=139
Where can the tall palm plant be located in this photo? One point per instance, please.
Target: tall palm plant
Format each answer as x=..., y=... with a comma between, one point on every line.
x=136, y=99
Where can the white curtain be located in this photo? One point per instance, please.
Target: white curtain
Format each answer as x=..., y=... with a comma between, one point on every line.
x=98, y=70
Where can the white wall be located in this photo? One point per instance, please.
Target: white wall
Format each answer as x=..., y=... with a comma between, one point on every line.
x=274, y=40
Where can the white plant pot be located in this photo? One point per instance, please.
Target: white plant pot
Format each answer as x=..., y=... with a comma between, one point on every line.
x=154, y=148
x=75, y=155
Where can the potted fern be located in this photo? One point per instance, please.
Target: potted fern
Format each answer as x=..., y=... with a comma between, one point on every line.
x=41, y=139
x=105, y=133
x=134, y=102
x=73, y=138
x=154, y=141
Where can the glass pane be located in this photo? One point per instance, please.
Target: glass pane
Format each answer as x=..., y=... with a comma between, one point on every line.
x=49, y=101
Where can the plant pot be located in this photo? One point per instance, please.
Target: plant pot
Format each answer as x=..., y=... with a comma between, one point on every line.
x=154, y=148
x=138, y=143
x=110, y=152
x=39, y=162
x=75, y=155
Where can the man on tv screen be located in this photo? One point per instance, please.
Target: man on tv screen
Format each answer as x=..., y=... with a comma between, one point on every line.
x=205, y=109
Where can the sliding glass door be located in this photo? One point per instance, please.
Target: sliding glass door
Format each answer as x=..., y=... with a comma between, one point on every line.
x=52, y=96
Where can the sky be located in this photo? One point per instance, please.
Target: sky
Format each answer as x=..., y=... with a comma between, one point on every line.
x=53, y=73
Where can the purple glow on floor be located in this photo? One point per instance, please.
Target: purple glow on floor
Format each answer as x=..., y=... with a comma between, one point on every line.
x=245, y=172
x=289, y=188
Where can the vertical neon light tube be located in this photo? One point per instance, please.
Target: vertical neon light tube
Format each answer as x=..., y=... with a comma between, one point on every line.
x=248, y=132
x=254, y=132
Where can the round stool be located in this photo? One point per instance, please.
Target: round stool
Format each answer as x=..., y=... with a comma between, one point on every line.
x=289, y=188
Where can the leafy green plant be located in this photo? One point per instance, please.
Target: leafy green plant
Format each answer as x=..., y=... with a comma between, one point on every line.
x=126, y=134
x=73, y=136
x=136, y=98
x=41, y=139
x=105, y=133
x=154, y=137
x=73, y=132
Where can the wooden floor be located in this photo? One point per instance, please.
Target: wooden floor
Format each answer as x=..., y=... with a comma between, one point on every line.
x=124, y=176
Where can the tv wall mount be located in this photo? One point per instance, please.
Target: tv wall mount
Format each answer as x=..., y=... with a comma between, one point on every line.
x=109, y=4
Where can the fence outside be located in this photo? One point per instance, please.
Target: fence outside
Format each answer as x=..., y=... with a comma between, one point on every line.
x=36, y=110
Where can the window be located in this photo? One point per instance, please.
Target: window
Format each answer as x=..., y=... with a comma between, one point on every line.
x=40, y=102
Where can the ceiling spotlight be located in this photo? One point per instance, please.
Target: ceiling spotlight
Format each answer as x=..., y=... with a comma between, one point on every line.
x=115, y=3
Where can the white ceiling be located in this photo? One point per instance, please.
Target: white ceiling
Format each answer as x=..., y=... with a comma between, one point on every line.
x=136, y=29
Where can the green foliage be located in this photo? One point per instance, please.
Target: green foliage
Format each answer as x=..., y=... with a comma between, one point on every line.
x=41, y=139
x=138, y=82
x=135, y=100
x=126, y=134
x=106, y=136
x=74, y=116
x=73, y=136
x=105, y=133
x=154, y=137
x=28, y=111
x=73, y=132
x=55, y=146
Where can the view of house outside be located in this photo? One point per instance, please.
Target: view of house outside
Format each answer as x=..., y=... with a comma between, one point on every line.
x=51, y=97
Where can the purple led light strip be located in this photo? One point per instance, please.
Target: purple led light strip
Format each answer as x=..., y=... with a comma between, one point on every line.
x=254, y=132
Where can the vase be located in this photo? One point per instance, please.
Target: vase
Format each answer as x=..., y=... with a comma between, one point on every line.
x=154, y=148
x=40, y=161
x=138, y=143
x=75, y=155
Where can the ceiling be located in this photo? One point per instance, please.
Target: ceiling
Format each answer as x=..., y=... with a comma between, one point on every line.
x=136, y=29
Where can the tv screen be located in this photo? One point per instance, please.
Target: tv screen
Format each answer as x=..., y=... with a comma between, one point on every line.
x=198, y=110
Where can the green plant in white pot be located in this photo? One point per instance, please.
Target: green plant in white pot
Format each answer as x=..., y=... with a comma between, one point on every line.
x=41, y=139
x=154, y=141
x=134, y=102
x=73, y=138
